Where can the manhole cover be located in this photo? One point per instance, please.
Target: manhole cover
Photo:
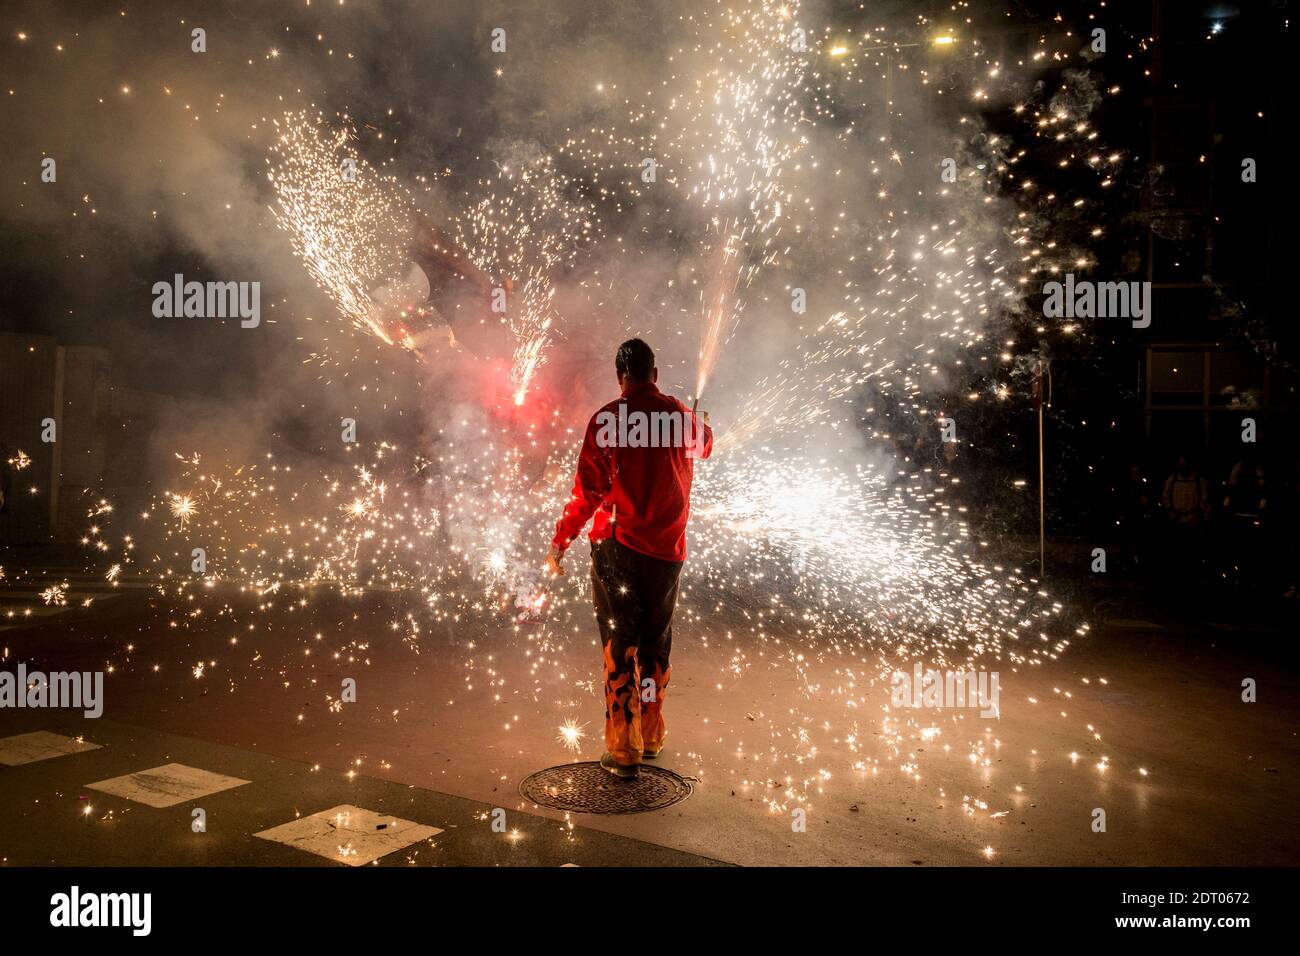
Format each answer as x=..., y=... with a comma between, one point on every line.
x=588, y=788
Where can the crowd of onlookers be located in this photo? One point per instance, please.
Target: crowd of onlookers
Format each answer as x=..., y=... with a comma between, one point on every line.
x=1236, y=523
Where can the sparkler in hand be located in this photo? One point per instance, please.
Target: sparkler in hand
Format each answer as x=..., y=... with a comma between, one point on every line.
x=553, y=557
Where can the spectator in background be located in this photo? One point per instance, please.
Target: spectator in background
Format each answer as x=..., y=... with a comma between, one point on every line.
x=1284, y=526
x=1186, y=501
x=6, y=474
x=1186, y=496
x=1133, y=517
x=1245, y=500
x=1244, y=493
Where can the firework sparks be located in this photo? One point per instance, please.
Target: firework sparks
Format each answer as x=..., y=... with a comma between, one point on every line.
x=346, y=222
x=842, y=557
x=527, y=228
x=182, y=508
x=571, y=735
x=56, y=595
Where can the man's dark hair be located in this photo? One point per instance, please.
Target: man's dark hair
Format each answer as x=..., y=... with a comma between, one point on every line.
x=635, y=359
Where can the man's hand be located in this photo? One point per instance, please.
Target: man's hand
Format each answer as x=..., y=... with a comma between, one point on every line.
x=553, y=557
x=695, y=410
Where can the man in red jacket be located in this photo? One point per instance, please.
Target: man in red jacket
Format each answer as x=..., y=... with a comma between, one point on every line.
x=634, y=476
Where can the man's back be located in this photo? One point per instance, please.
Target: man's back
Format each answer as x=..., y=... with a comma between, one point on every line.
x=635, y=472
x=652, y=467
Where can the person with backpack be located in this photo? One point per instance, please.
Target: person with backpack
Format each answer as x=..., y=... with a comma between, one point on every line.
x=1186, y=502
x=1186, y=496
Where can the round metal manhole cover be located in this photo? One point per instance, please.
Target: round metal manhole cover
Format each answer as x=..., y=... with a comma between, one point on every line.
x=589, y=788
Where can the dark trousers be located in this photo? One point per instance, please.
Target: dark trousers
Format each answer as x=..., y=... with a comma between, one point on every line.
x=635, y=596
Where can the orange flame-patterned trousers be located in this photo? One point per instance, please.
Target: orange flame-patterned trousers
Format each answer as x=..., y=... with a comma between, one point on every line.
x=635, y=596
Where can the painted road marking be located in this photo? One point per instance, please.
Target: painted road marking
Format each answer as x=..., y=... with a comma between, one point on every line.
x=167, y=785
x=348, y=834
x=41, y=745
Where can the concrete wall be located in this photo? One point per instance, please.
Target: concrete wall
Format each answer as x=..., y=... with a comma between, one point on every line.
x=31, y=390
x=95, y=444
x=85, y=436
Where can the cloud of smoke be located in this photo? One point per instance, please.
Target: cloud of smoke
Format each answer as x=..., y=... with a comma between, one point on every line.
x=901, y=273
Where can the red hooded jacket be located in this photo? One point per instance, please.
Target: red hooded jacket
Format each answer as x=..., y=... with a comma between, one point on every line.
x=631, y=479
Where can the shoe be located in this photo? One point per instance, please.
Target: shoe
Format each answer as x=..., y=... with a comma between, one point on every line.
x=622, y=771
